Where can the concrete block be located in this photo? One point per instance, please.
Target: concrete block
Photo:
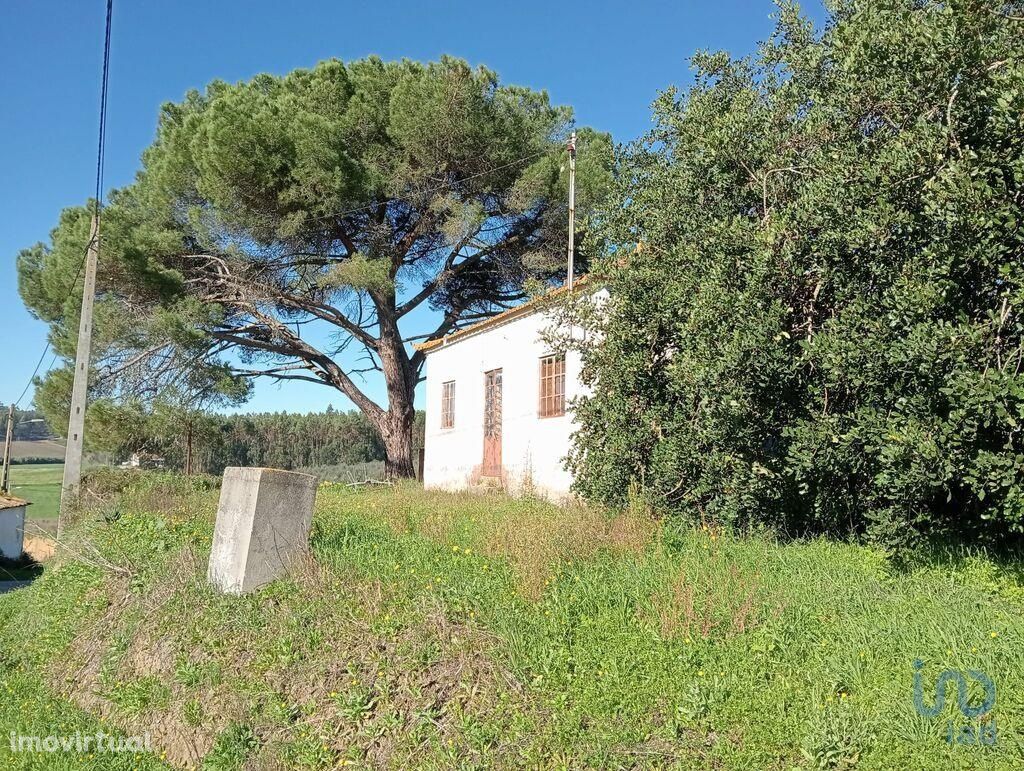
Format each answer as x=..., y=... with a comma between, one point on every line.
x=262, y=526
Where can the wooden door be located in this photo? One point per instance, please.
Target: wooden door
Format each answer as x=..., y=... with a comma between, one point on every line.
x=492, y=424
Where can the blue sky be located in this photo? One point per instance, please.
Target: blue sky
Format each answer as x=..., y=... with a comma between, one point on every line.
x=608, y=60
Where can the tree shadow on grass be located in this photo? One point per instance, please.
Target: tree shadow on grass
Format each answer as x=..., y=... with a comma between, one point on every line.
x=1003, y=566
x=24, y=568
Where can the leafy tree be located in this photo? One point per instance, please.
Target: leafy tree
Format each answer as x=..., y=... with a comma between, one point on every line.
x=821, y=329
x=276, y=223
x=169, y=426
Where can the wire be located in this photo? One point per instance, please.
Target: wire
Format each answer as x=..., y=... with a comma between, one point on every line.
x=101, y=150
x=33, y=375
x=101, y=156
x=97, y=201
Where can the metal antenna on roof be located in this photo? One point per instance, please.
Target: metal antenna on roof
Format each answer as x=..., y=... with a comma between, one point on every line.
x=572, y=206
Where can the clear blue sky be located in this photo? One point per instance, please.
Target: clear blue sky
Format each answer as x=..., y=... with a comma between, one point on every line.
x=606, y=59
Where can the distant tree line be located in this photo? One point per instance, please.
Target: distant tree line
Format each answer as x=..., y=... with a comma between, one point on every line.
x=195, y=440
x=29, y=425
x=288, y=441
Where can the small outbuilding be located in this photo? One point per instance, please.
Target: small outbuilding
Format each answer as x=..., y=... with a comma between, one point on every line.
x=12, y=526
x=499, y=403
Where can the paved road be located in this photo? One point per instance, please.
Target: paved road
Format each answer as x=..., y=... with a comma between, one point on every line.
x=10, y=586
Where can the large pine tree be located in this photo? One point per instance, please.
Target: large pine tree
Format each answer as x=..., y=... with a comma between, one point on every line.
x=278, y=222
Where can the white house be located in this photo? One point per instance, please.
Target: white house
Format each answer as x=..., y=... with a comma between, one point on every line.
x=12, y=526
x=498, y=404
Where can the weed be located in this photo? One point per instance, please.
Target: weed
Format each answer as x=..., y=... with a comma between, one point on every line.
x=441, y=630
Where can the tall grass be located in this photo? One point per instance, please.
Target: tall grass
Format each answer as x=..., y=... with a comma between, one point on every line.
x=440, y=630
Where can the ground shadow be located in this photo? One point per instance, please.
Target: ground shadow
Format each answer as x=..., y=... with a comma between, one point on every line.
x=20, y=572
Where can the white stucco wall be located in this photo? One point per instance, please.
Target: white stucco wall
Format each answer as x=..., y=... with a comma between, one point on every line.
x=533, y=448
x=12, y=532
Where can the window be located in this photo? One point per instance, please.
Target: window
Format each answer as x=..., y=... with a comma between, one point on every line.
x=552, y=386
x=448, y=404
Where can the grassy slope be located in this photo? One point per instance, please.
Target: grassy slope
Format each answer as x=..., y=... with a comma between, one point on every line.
x=436, y=630
x=34, y=707
x=39, y=483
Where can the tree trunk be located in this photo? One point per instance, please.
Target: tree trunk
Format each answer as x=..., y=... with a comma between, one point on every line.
x=397, y=436
x=396, y=423
x=188, y=450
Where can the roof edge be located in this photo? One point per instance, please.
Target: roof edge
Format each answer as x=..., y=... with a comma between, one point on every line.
x=507, y=315
x=10, y=502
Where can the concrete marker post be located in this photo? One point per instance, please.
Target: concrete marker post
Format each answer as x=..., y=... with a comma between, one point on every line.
x=263, y=523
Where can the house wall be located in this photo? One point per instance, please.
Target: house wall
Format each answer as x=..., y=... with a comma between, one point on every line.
x=533, y=448
x=12, y=532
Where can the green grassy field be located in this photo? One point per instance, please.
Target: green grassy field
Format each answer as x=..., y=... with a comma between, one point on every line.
x=39, y=483
x=439, y=631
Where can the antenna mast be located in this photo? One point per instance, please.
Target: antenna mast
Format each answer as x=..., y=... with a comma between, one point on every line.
x=572, y=207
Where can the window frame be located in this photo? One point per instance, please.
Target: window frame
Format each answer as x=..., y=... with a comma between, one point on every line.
x=447, y=405
x=551, y=386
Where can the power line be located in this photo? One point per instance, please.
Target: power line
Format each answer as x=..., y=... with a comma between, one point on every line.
x=98, y=198
x=33, y=375
x=79, y=391
x=71, y=291
x=102, y=141
x=101, y=155
x=345, y=213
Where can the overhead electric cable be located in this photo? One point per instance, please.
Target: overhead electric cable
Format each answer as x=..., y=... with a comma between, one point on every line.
x=98, y=197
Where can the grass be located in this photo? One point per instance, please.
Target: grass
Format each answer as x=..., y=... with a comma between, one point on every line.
x=436, y=630
x=39, y=483
x=29, y=709
x=347, y=472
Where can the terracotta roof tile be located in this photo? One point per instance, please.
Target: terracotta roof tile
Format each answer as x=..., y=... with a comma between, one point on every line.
x=9, y=502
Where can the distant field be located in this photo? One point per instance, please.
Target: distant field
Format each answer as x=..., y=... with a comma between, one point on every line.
x=40, y=484
x=44, y=448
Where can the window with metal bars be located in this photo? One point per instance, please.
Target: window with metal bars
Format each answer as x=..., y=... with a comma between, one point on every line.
x=551, y=402
x=448, y=404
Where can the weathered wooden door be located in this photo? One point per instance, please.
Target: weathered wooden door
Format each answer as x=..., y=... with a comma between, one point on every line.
x=492, y=424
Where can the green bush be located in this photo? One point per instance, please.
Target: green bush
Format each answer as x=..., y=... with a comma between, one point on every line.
x=821, y=329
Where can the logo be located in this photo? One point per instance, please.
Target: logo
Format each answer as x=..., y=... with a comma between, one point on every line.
x=984, y=732
x=79, y=742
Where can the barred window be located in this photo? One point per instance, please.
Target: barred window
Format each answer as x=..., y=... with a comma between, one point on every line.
x=552, y=386
x=448, y=404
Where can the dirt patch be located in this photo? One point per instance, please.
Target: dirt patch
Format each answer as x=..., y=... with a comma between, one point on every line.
x=48, y=449
x=40, y=548
x=81, y=675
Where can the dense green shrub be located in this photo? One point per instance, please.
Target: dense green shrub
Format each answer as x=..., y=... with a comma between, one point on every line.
x=821, y=329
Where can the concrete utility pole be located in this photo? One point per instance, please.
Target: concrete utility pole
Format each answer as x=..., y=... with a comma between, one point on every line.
x=572, y=207
x=5, y=486
x=76, y=423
